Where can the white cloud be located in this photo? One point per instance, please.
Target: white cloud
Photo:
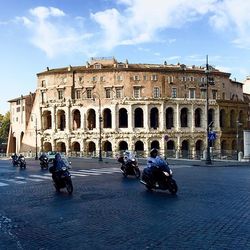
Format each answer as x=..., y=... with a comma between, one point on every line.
x=234, y=15
x=54, y=37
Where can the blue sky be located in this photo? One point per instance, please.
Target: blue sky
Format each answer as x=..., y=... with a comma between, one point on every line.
x=56, y=33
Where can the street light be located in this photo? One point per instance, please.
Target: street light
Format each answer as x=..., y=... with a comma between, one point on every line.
x=36, y=158
x=238, y=123
x=100, y=126
x=209, y=80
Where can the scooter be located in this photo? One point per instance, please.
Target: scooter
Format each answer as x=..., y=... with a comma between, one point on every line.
x=166, y=183
x=44, y=162
x=22, y=162
x=62, y=179
x=129, y=167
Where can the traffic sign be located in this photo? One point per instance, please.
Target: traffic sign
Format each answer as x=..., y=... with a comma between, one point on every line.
x=212, y=136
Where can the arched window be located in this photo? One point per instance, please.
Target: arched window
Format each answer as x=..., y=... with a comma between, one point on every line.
x=154, y=118
x=184, y=117
x=123, y=118
x=91, y=118
x=169, y=118
x=76, y=119
x=107, y=118
x=138, y=118
x=197, y=118
x=222, y=118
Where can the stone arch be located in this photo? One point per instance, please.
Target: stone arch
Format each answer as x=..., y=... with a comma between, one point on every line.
x=169, y=118
x=107, y=118
x=138, y=118
x=76, y=119
x=46, y=120
x=184, y=117
x=139, y=146
x=155, y=144
x=154, y=118
x=232, y=119
x=210, y=116
x=91, y=119
x=185, y=149
x=123, y=118
x=107, y=146
x=123, y=145
x=61, y=147
x=197, y=117
x=76, y=146
x=47, y=146
x=61, y=120
x=222, y=118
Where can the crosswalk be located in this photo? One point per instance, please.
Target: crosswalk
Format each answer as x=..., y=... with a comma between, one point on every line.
x=47, y=176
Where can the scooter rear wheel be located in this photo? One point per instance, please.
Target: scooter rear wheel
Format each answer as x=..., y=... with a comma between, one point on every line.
x=69, y=186
x=172, y=186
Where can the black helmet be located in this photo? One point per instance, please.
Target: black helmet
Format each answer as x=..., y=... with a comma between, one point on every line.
x=153, y=152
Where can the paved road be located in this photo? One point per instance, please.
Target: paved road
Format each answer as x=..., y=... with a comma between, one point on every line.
x=107, y=211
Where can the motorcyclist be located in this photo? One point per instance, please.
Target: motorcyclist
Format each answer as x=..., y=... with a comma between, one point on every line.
x=58, y=163
x=42, y=156
x=156, y=165
x=14, y=158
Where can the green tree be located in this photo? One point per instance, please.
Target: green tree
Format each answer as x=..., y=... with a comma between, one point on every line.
x=4, y=127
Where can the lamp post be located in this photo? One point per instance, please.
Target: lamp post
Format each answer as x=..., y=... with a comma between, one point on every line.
x=36, y=158
x=208, y=81
x=238, y=123
x=100, y=125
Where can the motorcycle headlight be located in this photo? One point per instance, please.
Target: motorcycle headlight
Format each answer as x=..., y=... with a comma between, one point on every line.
x=64, y=168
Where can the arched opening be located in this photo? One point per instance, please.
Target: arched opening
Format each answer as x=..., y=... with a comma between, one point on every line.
x=47, y=147
x=123, y=118
x=155, y=144
x=76, y=119
x=170, y=149
x=91, y=148
x=139, y=148
x=138, y=118
x=46, y=120
x=184, y=117
x=107, y=147
x=123, y=145
x=61, y=147
x=61, y=120
x=222, y=118
x=197, y=118
x=76, y=146
x=107, y=118
x=232, y=119
x=199, y=149
x=169, y=118
x=91, y=119
x=154, y=118
x=185, y=149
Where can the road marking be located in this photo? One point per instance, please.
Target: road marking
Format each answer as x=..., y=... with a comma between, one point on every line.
x=41, y=176
x=29, y=179
x=3, y=184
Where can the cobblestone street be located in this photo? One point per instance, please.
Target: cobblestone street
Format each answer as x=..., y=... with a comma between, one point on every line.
x=108, y=211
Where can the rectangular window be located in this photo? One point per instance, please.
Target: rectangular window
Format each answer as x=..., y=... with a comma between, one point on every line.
x=174, y=93
x=214, y=94
x=89, y=93
x=43, y=83
x=184, y=78
x=154, y=77
x=97, y=66
x=136, y=78
x=102, y=78
x=137, y=92
x=156, y=92
x=108, y=93
x=119, y=78
x=18, y=109
x=78, y=94
x=203, y=93
x=94, y=78
x=118, y=92
x=60, y=94
x=145, y=78
x=191, y=93
x=170, y=79
x=43, y=95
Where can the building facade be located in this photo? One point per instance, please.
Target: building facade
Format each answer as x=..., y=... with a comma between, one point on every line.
x=113, y=106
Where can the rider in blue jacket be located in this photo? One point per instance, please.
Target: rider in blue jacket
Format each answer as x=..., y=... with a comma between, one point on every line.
x=156, y=165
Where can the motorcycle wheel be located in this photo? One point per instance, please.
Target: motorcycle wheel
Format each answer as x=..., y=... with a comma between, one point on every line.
x=56, y=187
x=69, y=186
x=137, y=173
x=172, y=186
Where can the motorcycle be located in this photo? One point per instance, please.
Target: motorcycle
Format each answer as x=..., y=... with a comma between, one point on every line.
x=44, y=162
x=166, y=181
x=129, y=166
x=22, y=162
x=62, y=179
x=15, y=161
